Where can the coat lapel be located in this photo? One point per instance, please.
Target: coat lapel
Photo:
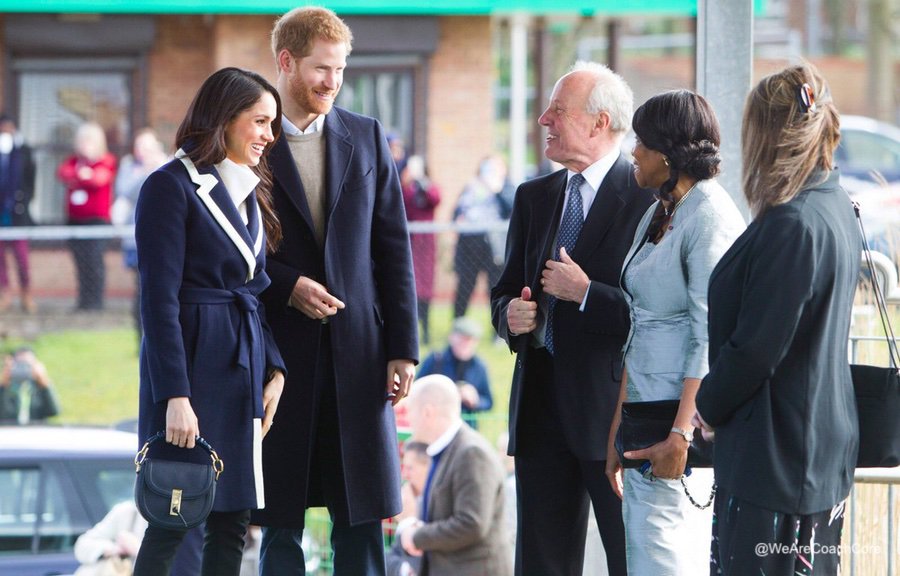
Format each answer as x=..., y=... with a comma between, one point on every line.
x=216, y=199
x=554, y=196
x=286, y=175
x=338, y=155
x=607, y=204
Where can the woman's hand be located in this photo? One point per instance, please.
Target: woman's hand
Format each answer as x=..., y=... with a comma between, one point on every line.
x=271, y=396
x=667, y=458
x=614, y=470
x=182, y=427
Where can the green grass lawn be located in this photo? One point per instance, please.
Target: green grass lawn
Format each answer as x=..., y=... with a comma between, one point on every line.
x=95, y=373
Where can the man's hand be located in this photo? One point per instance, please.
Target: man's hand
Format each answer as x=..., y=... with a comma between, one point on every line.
x=313, y=299
x=406, y=540
x=707, y=431
x=127, y=544
x=469, y=395
x=400, y=374
x=565, y=279
x=521, y=314
x=271, y=395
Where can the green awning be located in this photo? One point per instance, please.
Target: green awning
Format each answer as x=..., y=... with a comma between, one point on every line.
x=374, y=7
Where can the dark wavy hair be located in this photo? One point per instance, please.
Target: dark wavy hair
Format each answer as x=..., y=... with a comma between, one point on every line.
x=682, y=126
x=221, y=98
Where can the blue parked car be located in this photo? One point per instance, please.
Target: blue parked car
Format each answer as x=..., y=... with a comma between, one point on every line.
x=55, y=483
x=869, y=151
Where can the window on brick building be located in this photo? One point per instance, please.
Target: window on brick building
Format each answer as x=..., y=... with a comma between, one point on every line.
x=387, y=94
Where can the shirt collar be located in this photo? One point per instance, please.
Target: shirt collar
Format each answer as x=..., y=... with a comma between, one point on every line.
x=291, y=129
x=596, y=172
x=444, y=439
x=239, y=180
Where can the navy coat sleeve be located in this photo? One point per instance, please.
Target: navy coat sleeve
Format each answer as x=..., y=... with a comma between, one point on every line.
x=160, y=231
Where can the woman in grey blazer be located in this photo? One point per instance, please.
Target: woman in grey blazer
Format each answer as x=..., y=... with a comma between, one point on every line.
x=665, y=276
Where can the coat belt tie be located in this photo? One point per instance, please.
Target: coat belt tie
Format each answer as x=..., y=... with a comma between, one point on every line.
x=249, y=352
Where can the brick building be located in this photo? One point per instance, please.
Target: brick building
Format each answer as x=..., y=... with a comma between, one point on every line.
x=427, y=78
x=426, y=69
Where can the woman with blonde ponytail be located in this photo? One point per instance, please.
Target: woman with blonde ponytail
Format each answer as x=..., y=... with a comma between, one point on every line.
x=778, y=394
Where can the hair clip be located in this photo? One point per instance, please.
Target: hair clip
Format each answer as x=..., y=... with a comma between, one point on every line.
x=806, y=98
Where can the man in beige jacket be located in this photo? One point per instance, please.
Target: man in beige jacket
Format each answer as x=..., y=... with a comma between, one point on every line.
x=462, y=530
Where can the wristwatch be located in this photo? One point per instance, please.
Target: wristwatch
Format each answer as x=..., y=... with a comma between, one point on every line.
x=688, y=437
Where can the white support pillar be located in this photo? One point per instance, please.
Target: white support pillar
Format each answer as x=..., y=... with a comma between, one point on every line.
x=724, y=76
x=518, y=96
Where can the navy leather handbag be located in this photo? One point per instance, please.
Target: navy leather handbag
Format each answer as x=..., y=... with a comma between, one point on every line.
x=175, y=495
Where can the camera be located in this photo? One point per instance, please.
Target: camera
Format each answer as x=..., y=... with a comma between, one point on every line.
x=20, y=371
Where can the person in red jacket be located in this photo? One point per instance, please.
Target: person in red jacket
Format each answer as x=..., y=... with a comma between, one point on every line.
x=88, y=176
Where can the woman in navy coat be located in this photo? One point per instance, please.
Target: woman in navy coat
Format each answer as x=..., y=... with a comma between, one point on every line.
x=209, y=365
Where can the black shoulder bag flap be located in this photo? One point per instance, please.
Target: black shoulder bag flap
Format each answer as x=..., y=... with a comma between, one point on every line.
x=175, y=495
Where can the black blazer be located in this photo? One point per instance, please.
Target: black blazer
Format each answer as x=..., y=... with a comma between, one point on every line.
x=778, y=391
x=588, y=361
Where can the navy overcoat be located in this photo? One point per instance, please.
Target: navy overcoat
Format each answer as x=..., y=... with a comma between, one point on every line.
x=367, y=264
x=201, y=269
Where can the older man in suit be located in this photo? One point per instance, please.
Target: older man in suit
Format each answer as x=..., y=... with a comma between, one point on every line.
x=462, y=530
x=559, y=306
x=342, y=307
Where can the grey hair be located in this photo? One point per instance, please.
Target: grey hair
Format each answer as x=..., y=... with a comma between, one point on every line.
x=611, y=94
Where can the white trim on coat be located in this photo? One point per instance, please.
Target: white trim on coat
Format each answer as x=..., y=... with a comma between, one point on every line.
x=205, y=183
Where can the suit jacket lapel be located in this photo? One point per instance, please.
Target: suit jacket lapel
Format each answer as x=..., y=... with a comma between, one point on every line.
x=216, y=199
x=338, y=155
x=554, y=194
x=607, y=204
x=286, y=175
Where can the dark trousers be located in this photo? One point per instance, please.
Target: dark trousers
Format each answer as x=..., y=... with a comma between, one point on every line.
x=473, y=254
x=553, y=493
x=88, y=256
x=749, y=540
x=358, y=549
x=223, y=546
x=554, y=488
